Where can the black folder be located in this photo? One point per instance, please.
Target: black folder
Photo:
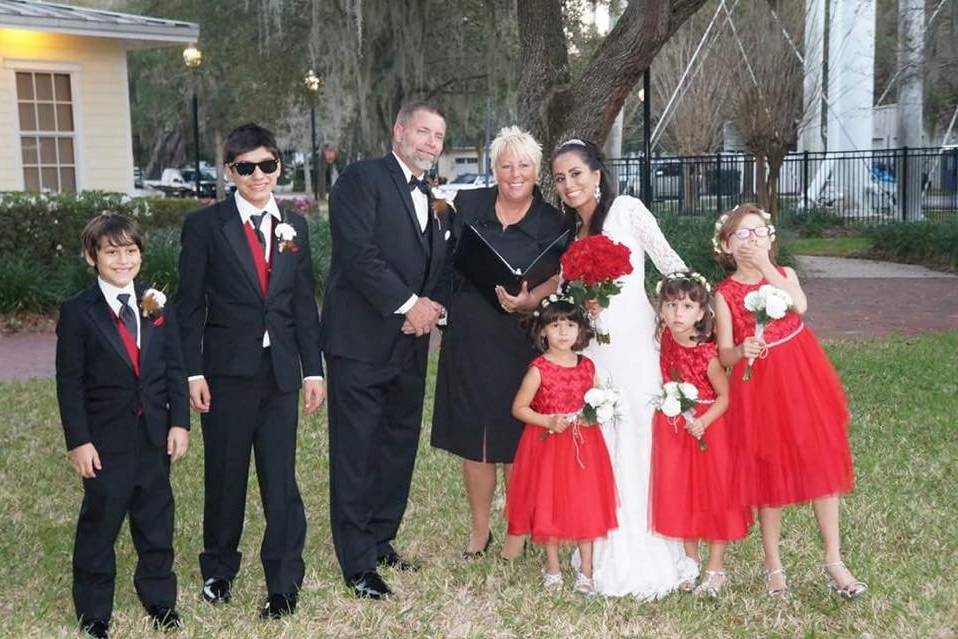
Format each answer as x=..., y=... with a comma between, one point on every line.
x=480, y=263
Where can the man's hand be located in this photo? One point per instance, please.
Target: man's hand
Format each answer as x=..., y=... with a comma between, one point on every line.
x=422, y=317
x=177, y=441
x=314, y=392
x=85, y=460
x=200, y=395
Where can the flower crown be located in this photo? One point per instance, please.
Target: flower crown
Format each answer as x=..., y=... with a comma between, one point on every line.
x=684, y=275
x=719, y=223
x=552, y=299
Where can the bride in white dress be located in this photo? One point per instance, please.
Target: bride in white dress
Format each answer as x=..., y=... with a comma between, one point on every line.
x=632, y=560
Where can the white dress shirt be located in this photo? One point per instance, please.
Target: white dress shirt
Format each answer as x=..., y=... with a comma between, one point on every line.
x=110, y=292
x=421, y=203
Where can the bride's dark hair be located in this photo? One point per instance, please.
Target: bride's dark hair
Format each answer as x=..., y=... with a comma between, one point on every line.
x=592, y=157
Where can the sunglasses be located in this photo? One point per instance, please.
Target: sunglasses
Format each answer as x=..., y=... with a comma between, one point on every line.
x=758, y=231
x=247, y=168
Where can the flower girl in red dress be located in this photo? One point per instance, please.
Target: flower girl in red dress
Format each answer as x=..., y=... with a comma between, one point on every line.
x=561, y=488
x=692, y=469
x=789, y=416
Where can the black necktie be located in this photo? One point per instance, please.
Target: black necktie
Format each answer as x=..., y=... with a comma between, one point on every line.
x=127, y=314
x=416, y=183
x=257, y=219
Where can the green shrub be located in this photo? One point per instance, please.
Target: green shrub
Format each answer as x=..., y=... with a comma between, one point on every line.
x=932, y=243
x=811, y=223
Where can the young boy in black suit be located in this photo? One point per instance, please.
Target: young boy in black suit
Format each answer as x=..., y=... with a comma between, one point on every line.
x=250, y=332
x=122, y=394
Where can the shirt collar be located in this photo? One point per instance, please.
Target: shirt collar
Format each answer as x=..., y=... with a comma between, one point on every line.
x=406, y=170
x=246, y=208
x=110, y=292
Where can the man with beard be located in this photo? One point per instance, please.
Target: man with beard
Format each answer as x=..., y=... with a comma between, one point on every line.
x=388, y=263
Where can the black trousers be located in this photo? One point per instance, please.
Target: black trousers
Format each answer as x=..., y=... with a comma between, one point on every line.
x=375, y=415
x=252, y=415
x=135, y=482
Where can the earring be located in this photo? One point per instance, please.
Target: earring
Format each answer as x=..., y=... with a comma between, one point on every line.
x=597, y=192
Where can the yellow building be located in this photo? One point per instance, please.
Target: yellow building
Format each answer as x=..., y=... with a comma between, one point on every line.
x=64, y=95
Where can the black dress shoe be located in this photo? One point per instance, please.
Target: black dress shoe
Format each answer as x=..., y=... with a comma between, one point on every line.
x=279, y=605
x=392, y=560
x=164, y=618
x=96, y=628
x=478, y=554
x=217, y=590
x=369, y=585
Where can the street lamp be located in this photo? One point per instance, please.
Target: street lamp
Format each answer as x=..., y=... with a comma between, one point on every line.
x=313, y=85
x=645, y=94
x=192, y=58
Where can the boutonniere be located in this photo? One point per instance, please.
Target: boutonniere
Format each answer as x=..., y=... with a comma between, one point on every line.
x=440, y=203
x=285, y=234
x=152, y=304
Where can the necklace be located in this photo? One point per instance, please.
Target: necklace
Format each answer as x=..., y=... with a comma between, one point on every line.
x=509, y=221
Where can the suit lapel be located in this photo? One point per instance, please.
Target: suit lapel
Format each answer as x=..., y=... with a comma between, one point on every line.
x=105, y=321
x=146, y=328
x=399, y=179
x=280, y=262
x=236, y=237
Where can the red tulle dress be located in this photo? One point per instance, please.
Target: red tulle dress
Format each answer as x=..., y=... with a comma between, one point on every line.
x=790, y=420
x=693, y=490
x=562, y=488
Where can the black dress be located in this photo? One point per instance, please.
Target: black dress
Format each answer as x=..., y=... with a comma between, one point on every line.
x=484, y=350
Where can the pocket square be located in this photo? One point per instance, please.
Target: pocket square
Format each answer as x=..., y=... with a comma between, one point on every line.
x=446, y=236
x=159, y=321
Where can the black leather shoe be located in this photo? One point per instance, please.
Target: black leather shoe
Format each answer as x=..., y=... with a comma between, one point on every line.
x=96, y=628
x=392, y=560
x=164, y=618
x=369, y=585
x=279, y=605
x=217, y=590
x=472, y=555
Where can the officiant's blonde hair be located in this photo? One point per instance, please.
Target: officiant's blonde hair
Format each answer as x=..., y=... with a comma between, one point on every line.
x=521, y=143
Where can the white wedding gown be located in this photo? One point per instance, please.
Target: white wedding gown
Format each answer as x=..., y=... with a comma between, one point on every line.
x=632, y=560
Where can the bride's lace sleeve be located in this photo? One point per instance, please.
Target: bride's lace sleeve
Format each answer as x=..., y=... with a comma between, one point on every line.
x=647, y=230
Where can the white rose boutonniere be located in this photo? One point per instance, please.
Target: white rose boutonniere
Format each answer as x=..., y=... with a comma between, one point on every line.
x=152, y=303
x=285, y=233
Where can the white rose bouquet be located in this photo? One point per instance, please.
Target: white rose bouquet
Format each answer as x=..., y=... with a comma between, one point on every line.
x=600, y=407
x=678, y=398
x=767, y=303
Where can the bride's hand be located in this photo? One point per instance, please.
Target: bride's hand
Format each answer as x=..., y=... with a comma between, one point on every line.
x=593, y=308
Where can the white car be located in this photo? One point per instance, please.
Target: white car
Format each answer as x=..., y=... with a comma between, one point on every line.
x=464, y=182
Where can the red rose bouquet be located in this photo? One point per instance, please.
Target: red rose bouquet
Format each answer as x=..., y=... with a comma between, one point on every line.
x=591, y=268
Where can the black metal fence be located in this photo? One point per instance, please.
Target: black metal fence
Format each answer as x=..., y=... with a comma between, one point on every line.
x=860, y=186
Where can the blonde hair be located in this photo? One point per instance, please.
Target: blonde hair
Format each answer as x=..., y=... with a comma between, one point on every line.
x=521, y=143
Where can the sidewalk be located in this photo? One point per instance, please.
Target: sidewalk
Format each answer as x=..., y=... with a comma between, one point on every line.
x=848, y=298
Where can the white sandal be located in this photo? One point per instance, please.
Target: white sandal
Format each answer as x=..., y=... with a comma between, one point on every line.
x=776, y=592
x=708, y=587
x=551, y=580
x=583, y=585
x=852, y=589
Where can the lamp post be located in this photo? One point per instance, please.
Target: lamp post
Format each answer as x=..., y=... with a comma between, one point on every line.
x=647, y=138
x=313, y=85
x=192, y=58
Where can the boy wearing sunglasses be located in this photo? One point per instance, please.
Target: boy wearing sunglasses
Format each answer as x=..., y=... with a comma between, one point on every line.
x=250, y=333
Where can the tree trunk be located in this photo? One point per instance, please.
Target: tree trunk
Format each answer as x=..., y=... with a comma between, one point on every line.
x=554, y=105
x=168, y=150
x=220, y=162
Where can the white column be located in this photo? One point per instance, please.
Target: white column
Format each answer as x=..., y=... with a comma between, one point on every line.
x=851, y=74
x=911, y=45
x=811, y=137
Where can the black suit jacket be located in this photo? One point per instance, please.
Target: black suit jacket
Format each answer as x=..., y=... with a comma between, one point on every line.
x=221, y=308
x=97, y=390
x=380, y=258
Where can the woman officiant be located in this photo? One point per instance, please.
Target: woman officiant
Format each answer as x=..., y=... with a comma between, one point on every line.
x=485, y=351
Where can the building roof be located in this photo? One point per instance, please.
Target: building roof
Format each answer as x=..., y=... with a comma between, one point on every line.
x=35, y=15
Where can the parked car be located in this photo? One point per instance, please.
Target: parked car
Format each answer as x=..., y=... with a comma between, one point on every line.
x=465, y=182
x=180, y=183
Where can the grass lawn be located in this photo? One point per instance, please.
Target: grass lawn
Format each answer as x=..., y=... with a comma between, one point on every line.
x=898, y=530
x=842, y=246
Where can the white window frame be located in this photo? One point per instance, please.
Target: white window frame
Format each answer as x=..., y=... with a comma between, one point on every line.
x=11, y=68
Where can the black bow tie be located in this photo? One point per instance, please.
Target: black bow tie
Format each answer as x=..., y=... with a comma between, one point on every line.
x=416, y=183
